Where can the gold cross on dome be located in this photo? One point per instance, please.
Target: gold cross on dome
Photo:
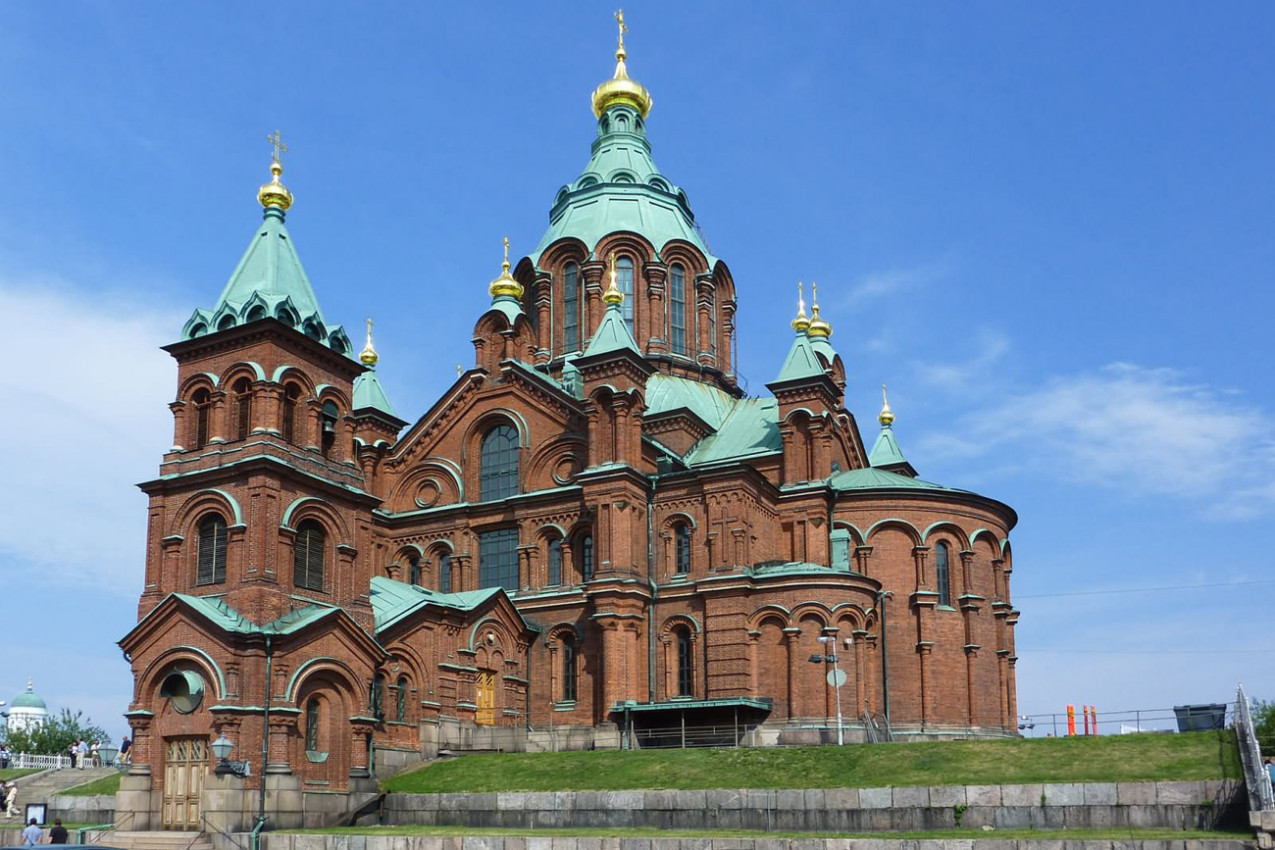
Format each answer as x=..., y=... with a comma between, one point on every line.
x=505, y=239
x=276, y=141
x=619, y=17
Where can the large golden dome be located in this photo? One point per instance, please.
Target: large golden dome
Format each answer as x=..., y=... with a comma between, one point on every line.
x=621, y=89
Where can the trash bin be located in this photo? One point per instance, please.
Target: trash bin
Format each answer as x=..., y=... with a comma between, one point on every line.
x=1201, y=718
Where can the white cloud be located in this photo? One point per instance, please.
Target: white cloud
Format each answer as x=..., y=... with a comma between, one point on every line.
x=86, y=389
x=988, y=345
x=1145, y=431
x=886, y=282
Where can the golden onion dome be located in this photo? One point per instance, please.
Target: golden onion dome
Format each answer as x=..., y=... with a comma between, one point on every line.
x=818, y=327
x=621, y=89
x=802, y=322
x=274, y=193
x=505, y=285
x=368, y=356
x=613, y=295
x=886, y=417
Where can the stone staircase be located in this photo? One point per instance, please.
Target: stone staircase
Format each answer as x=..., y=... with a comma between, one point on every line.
x=154, y=840
x=42, y=787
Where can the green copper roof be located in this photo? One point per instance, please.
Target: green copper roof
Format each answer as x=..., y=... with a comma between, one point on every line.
x=875, y=479
x=621, y=189
x=508, y=306
x=743, y=427
x=821, y=345
x=28, y=698
x=269, y=282
x=665, y=393
x=368, y=392
x=886, y=451
x=394, y=600
x=612, y=334
x=801, y=361
x=219, y=613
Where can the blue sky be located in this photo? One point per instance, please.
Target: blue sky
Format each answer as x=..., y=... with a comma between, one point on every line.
x=1046, y=226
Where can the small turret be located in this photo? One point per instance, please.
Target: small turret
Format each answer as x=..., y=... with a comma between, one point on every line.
x=886, y=453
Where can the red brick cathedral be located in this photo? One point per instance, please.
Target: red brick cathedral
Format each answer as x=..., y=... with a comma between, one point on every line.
x=593, y=538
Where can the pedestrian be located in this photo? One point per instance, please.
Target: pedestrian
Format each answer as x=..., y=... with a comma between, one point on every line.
x=1270, y=772
x=126, y=751
x=4, y=756
x=94, y=759
x=81, y=753
x=32, y=834
x=57, y=835
x=71, y=751
x=11, y=800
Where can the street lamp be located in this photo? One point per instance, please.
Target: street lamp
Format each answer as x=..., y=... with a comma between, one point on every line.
x=222, y=748
x=107, y=752
x=835, y=677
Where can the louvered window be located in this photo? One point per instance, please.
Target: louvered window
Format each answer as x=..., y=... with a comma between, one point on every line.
x=243, y=408
x=308, y=556
x=677, y=309
x=498, y=477
x=571, y=307
x=290, y=400
x=203, y=404
x=212, y=551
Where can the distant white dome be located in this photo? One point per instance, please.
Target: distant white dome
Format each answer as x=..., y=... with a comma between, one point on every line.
x=27, y=710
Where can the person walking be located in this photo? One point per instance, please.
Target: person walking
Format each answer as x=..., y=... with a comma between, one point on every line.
x=4, y=756
x=11, y=800
x=71, y=752
x=81, y=753
x=126, y=751
x=57, y=835
x=32, y=834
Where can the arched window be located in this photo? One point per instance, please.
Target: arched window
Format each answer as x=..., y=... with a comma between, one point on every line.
x=571, y=307
x=376, y=697
x=555, y=562
x=498, y=475
x=685, y=666
x=400, y=706
x=243, y=408
x=624, y=280
x=681, y=549
x=569, y=668
x=203, y=408
x=445, y=573
x=212, y=551
x=677, y=309
x=413, y=570
x=498, y=558
x=712, y=323
x=330, y=416
x=308, y=556
x=941, y=575
x=312, y=725
x=586, y=558
x=291, y=398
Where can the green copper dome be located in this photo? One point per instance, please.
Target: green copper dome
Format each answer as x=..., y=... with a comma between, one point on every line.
x=28, y=699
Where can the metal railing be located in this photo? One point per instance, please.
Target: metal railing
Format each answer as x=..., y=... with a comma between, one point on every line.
x=28, y=761
x=1122, y=722
x=1258, y=781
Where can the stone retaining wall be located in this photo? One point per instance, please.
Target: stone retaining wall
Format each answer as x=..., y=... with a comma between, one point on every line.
x=281, y=841
x=99, y=808
x=1171, y=805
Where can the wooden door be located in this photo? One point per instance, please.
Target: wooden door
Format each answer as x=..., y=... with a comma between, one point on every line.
x=185, y=766
x=485, y=698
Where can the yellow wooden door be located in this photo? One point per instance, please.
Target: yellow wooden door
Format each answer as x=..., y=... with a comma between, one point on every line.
x=185, y=766
x=485, y=698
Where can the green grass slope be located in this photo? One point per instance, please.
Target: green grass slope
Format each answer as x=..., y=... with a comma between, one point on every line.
x=1123, y=758
x=105, y=785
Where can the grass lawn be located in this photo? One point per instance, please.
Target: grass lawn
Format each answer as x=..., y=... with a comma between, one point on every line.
x=1197, y=755
x=105, y=785
x=14, y=773
x=1042, y=834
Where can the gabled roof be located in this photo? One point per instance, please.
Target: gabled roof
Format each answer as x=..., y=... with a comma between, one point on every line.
x=368, y=393
x=612, y=335
x=665, y=393
x=743, y=427
x=393, y=601
x=886, y=451
x=219, y=613
x=801, y=362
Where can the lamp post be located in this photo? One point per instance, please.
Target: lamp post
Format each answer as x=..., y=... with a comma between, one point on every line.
x=222, y=747
x=836, y=678
x=107, y=752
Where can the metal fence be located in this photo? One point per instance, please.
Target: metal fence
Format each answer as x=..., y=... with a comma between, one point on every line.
x=28, y=761
x=1122, y=722
x=1258, y=781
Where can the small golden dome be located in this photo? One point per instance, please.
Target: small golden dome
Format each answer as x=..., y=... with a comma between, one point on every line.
x=613, y=295
x=505, y=284
x=274, y=193
x=368, y=356
x=818, y=327
x=801, y=323
x=621, y=89
x=886, y=417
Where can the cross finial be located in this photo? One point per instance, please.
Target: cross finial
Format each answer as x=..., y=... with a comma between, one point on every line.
x=505, y=239
x=619, y=18
x=276, y=141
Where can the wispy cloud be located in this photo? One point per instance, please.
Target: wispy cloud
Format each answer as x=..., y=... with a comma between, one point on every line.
x=987, y=346
x=1146, y=431
x=885, y=282
x=87, y=389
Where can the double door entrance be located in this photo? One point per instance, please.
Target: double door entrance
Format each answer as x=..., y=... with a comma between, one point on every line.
x=185, y=766
x=485, y=698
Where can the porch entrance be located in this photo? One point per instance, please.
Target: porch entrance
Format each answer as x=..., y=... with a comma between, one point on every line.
x=485, y=698
x=185, y=765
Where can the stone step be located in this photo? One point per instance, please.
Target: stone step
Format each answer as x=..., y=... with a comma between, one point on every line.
x=156, y=840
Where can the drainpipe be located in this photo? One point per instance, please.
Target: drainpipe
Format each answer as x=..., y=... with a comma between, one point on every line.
x=650, y=577
x=882, y=596
x=530, y=679
x=265, y=747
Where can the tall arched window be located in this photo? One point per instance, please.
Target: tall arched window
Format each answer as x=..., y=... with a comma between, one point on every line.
x=677, y=309
x=941, y=575
x=624, y=280
x=555, y=562
x=211, y=567
x=569, y=668
x=413, y=570
x=400, y=704
x=291, y=398
x=312, y=725
x=586, y=557
x=498, y=558
x=308, y=556
x=203, y=409
x=685, y=665
x=445, y=573
x=243, y=408
x=681, y=549
x=376, y=696
x=498, y=475
x=571, y=307
x=330, y=416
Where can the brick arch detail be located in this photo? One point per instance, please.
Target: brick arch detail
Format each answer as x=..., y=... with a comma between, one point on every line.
x=155, y=672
